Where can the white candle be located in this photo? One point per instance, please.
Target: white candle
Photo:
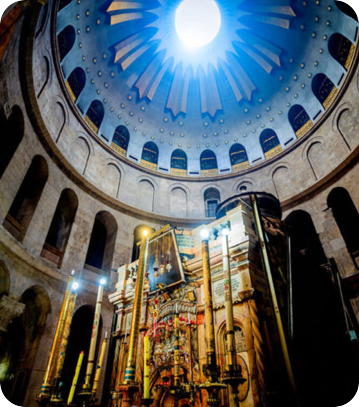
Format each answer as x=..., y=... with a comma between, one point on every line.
x=176, y=308
x=188, y=318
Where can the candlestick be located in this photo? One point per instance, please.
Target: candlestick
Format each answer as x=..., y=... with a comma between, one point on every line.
x=146, y=368
x=228, y=299
x=176, y=351
x=94, y=334
x=207, y=285
x=56, y=396
x=99, y=366
x=75, y=379
x=46, y=384
x=136, y=313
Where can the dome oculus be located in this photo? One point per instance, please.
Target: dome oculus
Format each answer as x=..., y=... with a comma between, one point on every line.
x=197, y=22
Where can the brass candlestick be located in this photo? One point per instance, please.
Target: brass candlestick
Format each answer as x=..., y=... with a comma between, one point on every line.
x=45, y=393
x=210, y=369
x=129, y=387
x=232, y=374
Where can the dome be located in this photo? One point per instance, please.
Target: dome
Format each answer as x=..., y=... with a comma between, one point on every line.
x=263, y=83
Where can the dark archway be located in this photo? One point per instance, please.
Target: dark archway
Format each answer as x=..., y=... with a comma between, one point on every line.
x=12, y=132
x=212, y=199
x=95, y=115
x=66, y=40
x=322, y=88
x=102, y=243
x=299, y=120
x=76, y=82
x=269, y=142
x=238, y=157
x=341, y=49
x=208, y=161
x=317, y=329
x=149, y=156
x=347, y=218
x=60, y=228
x=79, y=340
x=22, y=344
x=23, y=207
x=120, y=140
x=179, y=162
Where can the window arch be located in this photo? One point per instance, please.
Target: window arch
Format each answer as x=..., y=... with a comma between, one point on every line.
x=60, y=228
x=324, y=89
x=212, y=198
x=76, y=83
x=208, y=162
x=299, y=120
x=150, y=155
x=347, y=219
x=23, y=207
x=346, y=9
x=270, y=143
x=238, y=157
x=120, y=140
x=66, y=40
x=95, y=114
x=102, y=243
x=179, y=162
x=341, y=49
x=13, y=130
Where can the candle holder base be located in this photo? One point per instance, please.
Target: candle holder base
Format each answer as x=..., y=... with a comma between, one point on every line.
x=213, y=389
x=232, y=375
x=128, y=390
x=147, y=402
x=85, y=397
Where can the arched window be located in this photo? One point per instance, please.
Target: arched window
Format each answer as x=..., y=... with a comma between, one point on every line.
x=66, y=40
x=212, y=198
x=79, y=340
x=299, y=120
x=120, y=140
x=269, y=143
x=341, y=49
x=309, y=319
x=346, y=9
x=21, y=344
x=13, y=132
x=76, y=82
x=324, y=89
x=60, y=228
x=95, y=114
x=208, y=162
x=23, y=207
x=102, y=243
x=179, y=162
x=347, y=218
x=238, y=157
x=150, y=155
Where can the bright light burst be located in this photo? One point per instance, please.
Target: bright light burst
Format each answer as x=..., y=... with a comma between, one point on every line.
x=238, y=43
x=197, y=22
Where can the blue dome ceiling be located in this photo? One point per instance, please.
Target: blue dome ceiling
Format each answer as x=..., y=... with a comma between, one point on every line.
x=256, y=85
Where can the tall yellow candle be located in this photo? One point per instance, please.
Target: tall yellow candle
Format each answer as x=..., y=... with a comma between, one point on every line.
x=76, y=377
x=146, y=369
x=99, y=366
